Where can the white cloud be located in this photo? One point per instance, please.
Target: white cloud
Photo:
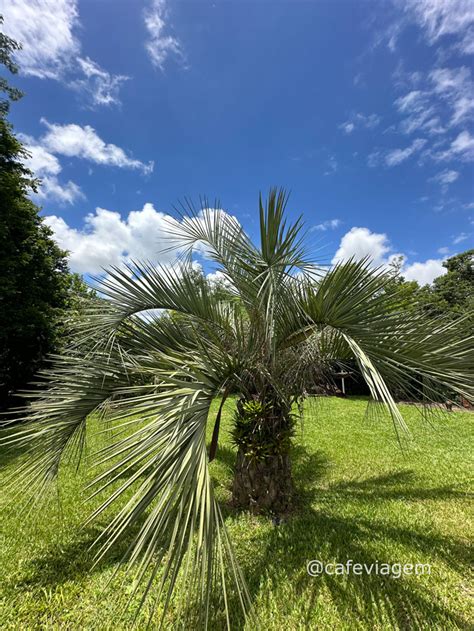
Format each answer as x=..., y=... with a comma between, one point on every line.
x=444, y=250
x=423, y=108
x=361, y=242
x=106, y=239
x=461, y=148
x=332, y=166
x=443, y=17
x=413, y=101
x=424, y=273
x=83, y=142
x=446, y=177
x=456, y=87
x=374, y=159
x=466, y=45
x=347, y=127
x=46, y=166
x=396, y=156
x=420, y=113
x=48, y=29
x=45, y=28
x=360, y=120
x=64, y=193
x=330, y=224
x=460, y=238
x=159, y=45
x=464, y=145
x=71, y=141
x=101, y=86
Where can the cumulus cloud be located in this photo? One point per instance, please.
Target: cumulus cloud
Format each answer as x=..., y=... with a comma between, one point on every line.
x=159, y=44
x=46, y=166
x=83, y=142
x=107, y=239
x=72, y=141
x=48, y=29
x=424, y=273
x=360, y=243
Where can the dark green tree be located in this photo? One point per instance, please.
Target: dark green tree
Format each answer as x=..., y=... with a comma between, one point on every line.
x=35, y=284
x=406, y=292
x=34, y=276
x=7, y=47
x=453, y=293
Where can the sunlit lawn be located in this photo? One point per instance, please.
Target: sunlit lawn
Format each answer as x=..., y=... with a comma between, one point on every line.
x=360, y=498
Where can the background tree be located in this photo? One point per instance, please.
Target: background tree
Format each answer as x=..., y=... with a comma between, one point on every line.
x=36, y=288
x=453, y=293
x=7, y=47
x=405, y=291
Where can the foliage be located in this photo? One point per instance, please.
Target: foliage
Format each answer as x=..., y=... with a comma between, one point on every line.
x=260, y=431
x=38, y=294
x=284, y=330
x=8, y=46
x=453, y=293
x=33, y=274
x=407, y=292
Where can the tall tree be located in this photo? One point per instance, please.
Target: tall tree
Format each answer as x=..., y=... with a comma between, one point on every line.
x=35, y=284
x=452, y=293
x=266, y=345
x=7, y=47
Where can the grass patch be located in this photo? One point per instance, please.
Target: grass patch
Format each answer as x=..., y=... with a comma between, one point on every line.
x=360, y=498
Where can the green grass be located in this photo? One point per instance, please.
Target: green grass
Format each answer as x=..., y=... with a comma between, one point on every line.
x=360, y=498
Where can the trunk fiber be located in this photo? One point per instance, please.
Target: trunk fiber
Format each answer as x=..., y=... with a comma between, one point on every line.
x=263, y=485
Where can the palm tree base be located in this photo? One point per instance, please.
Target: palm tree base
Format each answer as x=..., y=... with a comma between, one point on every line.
x=263, y=485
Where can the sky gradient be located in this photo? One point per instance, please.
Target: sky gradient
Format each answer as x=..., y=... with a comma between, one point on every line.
x=364, y=110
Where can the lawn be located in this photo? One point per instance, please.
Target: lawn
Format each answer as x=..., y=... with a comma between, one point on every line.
x=360, y=498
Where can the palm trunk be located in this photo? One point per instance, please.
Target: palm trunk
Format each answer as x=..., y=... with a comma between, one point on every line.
x=263, y=486
x=263, y=480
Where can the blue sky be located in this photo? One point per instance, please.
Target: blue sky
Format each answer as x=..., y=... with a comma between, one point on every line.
x=364, y=110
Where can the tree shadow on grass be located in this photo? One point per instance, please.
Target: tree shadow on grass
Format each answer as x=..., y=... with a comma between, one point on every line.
x=374, y=600
x=318, y=529
x=74, y=560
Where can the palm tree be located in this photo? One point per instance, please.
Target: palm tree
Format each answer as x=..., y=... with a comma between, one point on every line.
x=281, y=326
